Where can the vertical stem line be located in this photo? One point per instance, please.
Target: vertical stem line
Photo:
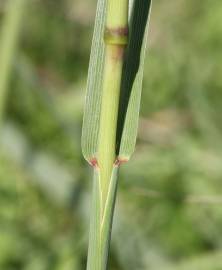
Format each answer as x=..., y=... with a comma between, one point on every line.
x=115, y=39
x=108, y=120
x=94, y=248
x=117, y=14
x=107, y=220
x=105, y=180
x=101, y=223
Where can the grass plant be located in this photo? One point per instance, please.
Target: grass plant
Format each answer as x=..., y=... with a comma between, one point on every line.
x=112, y=109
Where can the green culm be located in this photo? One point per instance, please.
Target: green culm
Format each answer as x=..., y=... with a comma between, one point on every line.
x=112, y=109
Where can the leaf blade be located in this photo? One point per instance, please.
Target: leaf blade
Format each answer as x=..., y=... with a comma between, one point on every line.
x=91, y=117
x=132, y=79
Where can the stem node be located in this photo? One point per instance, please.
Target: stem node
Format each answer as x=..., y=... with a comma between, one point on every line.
x=116, y=36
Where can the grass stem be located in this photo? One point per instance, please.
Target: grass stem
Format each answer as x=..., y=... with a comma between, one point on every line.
x=105, y=177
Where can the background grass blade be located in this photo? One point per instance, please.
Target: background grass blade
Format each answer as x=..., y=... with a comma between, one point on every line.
x=132, y=78
x=204, y=262
x=9, y=37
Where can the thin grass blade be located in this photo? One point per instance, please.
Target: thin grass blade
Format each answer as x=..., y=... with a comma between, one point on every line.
x=91, y=117
x=11, y=27
x=132, y=79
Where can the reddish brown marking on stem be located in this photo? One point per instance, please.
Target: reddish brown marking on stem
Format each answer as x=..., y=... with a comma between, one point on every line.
x=120, y=161
x=93, y=162
x=117, y=38
x=118, y=52
x=117, y=32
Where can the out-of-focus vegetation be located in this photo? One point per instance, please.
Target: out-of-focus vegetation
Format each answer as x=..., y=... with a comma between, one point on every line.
x=168, y=213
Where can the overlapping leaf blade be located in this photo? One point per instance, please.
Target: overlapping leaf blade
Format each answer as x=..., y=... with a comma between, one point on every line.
x=131, y=86
x=94, y=86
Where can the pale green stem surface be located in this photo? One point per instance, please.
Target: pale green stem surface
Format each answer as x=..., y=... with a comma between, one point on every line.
x=115, y=40
x=109, y=111
x=117, y=13
x=8, y=41
x=105, y=177
x=101, y=222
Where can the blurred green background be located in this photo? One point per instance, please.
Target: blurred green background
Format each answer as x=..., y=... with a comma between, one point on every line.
x=169, y=207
